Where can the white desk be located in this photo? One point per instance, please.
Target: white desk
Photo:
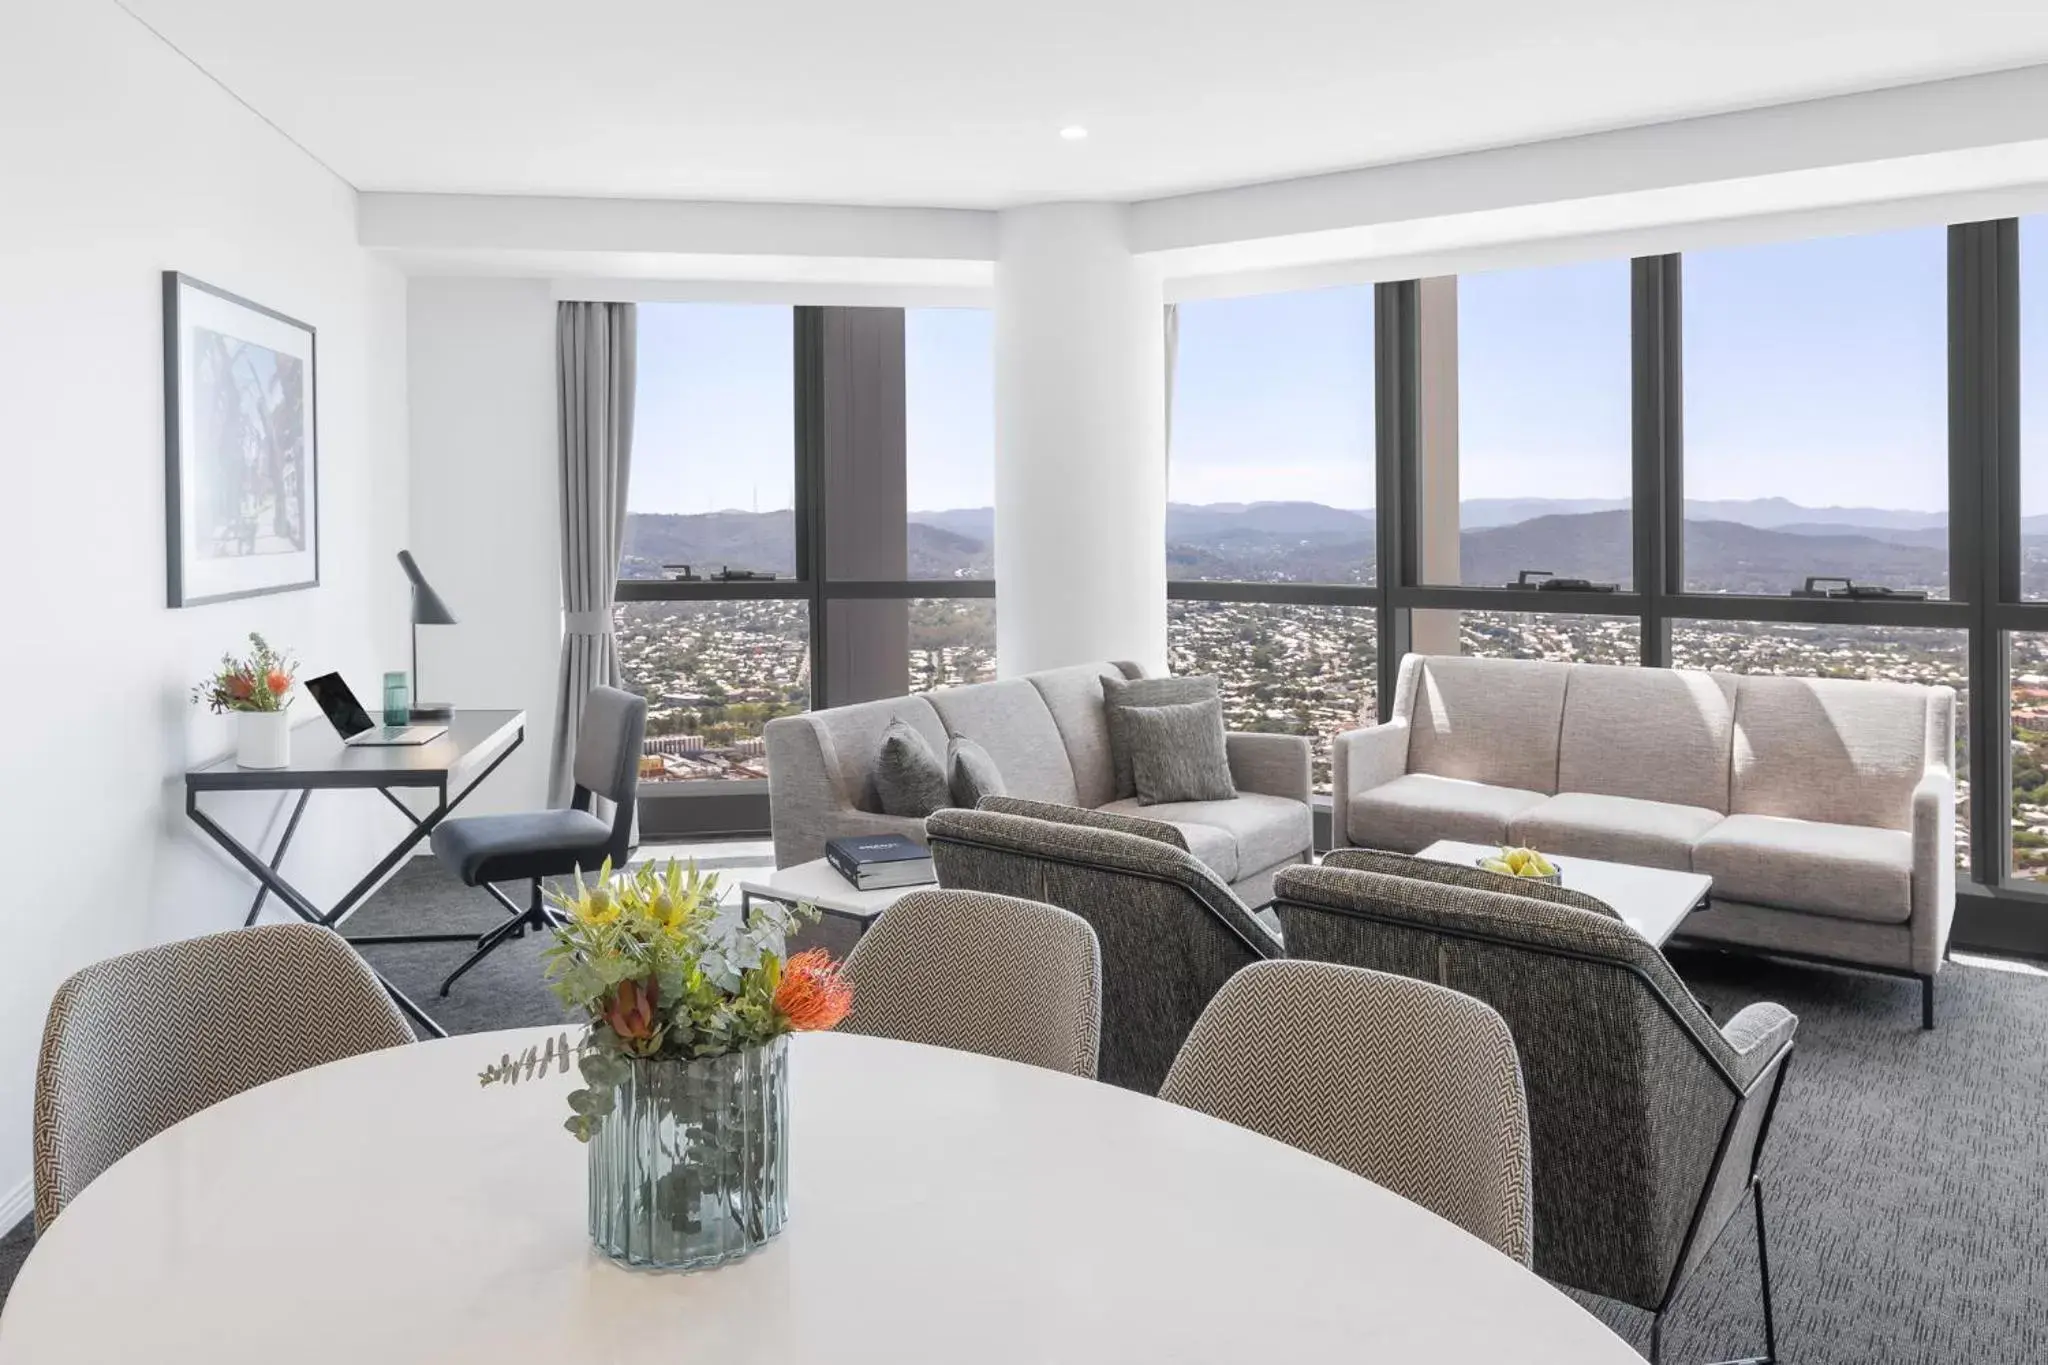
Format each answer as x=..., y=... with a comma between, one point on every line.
x=944, y=1207
x=1653, y=901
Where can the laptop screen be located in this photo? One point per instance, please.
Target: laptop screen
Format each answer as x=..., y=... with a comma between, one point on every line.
x=340, y=704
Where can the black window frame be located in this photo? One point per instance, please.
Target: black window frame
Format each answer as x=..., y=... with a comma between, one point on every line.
x=1994, y=911
x=739, y=808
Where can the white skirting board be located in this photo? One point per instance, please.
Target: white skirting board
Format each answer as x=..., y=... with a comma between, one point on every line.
x=17, y=1204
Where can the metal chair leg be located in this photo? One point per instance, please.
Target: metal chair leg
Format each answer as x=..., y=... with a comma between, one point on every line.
x=534, y=916
x=1763, y=1263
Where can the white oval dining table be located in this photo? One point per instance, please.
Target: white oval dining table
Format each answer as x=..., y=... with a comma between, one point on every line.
x=944, y=1207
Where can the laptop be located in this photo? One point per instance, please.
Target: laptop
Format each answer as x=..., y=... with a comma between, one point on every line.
x=347, y=716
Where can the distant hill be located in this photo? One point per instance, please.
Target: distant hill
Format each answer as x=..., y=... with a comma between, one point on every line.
x=1310, y=542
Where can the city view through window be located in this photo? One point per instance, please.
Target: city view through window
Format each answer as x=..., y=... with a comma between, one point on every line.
x=713, y=492
x=1815, y=426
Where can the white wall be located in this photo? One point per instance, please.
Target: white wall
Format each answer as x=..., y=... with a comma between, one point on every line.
x=120, y=161
x=485, y=499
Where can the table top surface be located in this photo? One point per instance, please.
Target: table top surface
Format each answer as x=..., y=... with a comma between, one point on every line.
x=1653, y=901
x=816, y=883
x=944, y=1207
x=320, y=759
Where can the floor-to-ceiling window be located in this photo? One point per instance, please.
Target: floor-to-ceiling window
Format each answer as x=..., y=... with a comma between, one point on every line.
x=1801, y=457
x=810, y=523
x=1270, y=523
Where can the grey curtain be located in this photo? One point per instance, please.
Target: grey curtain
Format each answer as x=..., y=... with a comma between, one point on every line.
x=594, y=347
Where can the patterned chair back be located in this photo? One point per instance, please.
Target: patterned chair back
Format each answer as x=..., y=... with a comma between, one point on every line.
x=990, y=974
x=1171, y=933
x=1645, y=1119
x=1410, y=1085
x=136, y=1043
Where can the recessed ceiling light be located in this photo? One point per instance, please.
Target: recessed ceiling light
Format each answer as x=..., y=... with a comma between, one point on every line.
x=1074, y=132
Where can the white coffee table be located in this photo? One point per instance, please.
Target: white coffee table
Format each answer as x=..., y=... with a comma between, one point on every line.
x=1653, y=901
x=815, y=883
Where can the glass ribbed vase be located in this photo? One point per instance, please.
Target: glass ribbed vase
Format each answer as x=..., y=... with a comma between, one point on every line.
x=691, y=1169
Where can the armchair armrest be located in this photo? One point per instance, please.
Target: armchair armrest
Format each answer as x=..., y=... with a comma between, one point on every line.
x=1360, y=760
x=1758, y=1034
x=1271, y=765
x=1934, y=867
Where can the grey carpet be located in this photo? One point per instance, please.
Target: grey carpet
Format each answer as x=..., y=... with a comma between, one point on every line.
x=1905, y=1170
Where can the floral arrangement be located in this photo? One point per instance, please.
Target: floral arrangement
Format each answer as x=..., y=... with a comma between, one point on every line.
x=641, y=957
x=261, y=682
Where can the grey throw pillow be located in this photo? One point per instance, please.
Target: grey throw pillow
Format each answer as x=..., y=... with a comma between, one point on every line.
x=1177, y=753
x=974, y=773
x=908, y=776
x=1120, y=695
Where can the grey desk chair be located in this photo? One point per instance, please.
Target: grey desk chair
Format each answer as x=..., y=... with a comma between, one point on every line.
x=995, y=975
x=1410, y=1085
x=535, y=845
x=1647, y=1120
x=136, y=1043
x=1170, y=930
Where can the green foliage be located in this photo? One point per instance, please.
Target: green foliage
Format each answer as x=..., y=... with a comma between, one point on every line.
x=643, y=958
x=261, y=682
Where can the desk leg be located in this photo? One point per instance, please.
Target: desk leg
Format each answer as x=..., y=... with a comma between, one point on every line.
x=277, y=859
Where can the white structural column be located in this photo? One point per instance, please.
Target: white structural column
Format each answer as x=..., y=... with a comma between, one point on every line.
x=1080, y=442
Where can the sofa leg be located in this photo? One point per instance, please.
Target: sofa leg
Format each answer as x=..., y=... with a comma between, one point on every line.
x=1927, y=1002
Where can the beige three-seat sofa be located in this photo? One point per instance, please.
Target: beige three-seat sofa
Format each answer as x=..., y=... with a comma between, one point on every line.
x=1824, y=809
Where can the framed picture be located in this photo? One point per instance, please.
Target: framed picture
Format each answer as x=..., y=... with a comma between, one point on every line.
x=241, y=447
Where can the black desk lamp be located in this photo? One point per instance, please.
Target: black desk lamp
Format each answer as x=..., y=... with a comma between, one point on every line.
x=427, y=610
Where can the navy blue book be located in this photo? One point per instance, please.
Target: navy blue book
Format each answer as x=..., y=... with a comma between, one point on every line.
x=877, y=862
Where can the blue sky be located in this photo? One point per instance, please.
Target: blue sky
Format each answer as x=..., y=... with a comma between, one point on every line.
x=1815, y=371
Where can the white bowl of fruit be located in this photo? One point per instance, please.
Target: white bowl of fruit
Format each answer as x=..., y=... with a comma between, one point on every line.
x=1525, y=863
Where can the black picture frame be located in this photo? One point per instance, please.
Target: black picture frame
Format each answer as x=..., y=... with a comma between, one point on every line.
x=224, y=579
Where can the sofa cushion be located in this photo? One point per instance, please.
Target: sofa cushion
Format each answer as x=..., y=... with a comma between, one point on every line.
x=1410, y=813
x=1848, y=871
x=1074, y=696
x=972, y=774
x=1178, y=753
x=1010, y=720
x=1259, y=830
x=1654, y=734
x=1615, y=829
x=1488, y=720
x=852, y=736
x=1118, y=693
x=1829, y=749
x=909, y=777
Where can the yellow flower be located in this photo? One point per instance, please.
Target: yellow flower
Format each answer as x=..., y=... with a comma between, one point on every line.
x=597, y=905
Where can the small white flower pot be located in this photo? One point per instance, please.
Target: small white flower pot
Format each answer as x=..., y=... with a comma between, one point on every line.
x=263, y=739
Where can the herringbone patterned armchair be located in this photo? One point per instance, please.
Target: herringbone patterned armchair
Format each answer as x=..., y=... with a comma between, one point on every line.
x=1647, y=1119
x=1410, y=1085
x=990, y=974
x=138, y=1042
x=1171, y=931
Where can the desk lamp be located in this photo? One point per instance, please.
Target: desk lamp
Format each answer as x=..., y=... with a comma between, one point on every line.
x=427, y=610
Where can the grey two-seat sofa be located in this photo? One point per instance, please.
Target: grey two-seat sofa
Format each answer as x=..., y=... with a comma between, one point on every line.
x=1823, y=808
x=1050, y=740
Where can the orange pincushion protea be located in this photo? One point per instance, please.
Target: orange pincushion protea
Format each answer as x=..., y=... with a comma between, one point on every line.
x=812, y=994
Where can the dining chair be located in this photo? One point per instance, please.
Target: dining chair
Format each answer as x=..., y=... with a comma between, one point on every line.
x=1410, y=1085
x=136, y=1043
x=1647, y=1120
x=991, y=974
x=1171, y=932
x=535, y=845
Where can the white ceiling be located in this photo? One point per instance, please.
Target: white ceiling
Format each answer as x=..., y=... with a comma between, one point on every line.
x=959, y=102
